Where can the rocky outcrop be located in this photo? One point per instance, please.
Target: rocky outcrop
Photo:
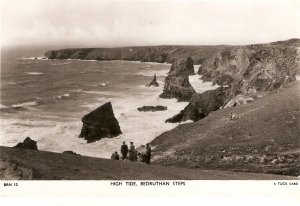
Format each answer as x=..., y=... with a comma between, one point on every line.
x=153, y=83
x=152, y=108
x=201, y=105
x=240, y=100
x=70, y=152
x=27, y=144
x=184, y=66
x=244, y=70
x=255, y=68
x=177, y=83
x=100, y=123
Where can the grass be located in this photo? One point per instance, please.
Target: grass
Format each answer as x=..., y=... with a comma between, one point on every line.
x=264, y=138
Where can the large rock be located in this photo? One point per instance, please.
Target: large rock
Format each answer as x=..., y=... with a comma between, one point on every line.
x=27, y=144
x=152, y=108
x=100, y=123
x=177, y=83
x=182, y=66
x=201, y=105
x=153, y=82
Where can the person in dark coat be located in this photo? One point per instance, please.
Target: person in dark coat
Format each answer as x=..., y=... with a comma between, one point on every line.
x=115, y=156
x=124, y=151
x=148, y=154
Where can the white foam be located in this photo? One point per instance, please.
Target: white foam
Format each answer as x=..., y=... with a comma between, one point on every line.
x=151, y=73
x=60, y=64
x=199, y=85
x=104, y=84
x=34, y=73
x=3, y=106
x=25, y=104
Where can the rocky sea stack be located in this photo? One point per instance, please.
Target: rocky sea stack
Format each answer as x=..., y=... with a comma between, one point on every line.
x=27, y=144
x=100, y=123
x=153, y=83
x=177, y=83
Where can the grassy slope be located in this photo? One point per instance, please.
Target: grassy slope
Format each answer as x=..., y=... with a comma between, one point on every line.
x=30, y=164
x=265, y=138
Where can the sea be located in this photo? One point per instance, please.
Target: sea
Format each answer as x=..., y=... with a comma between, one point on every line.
x=46, y=99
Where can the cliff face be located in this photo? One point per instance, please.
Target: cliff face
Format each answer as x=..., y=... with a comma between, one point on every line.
x=201, y=105
x=146, y=54
x=245, y=70
x=253, y=68
x=177, y=83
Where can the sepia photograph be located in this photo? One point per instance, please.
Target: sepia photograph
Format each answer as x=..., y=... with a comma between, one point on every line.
x=155, y=92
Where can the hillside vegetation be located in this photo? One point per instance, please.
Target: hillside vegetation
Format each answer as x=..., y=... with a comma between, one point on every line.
x=263, y=137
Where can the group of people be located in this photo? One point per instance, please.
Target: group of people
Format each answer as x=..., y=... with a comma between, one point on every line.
x=132, y=155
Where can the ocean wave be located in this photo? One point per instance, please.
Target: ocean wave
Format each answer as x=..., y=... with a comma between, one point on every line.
x=105, y=84
x=26, y=104
x=64, y=95
x=34, y=73
x=150, y=73
x=60, y=64
x=11, y=83
x=3, y=106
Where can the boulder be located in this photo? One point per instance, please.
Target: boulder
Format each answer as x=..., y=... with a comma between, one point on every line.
x=177, y=83
x=70, y=152
x=201, y=105
x=27, y=144
x=153, y=82
x=100, y=123
x=152, y=108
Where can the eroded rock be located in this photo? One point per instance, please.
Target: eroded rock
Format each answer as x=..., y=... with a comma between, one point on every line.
x=28, y=143
x=177, y=83
x=153, y=83
x=100, y=123
x=152, y=108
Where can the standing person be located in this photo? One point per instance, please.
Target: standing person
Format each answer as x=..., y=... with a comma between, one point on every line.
x=232, y=116
x=131, y=152
x=148, y=154
x=124, y=151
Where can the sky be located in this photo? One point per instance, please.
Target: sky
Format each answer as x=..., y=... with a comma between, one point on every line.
x=96, y=23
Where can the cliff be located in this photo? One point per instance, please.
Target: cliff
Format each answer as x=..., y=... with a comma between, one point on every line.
x=249, y=69
x=144, y=53
x=245, y=71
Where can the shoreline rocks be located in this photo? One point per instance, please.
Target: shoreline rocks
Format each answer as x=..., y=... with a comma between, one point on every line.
x=100, y=123
x=70, y=152
x=28, y=143
x=152, y=108
x=201, y=105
